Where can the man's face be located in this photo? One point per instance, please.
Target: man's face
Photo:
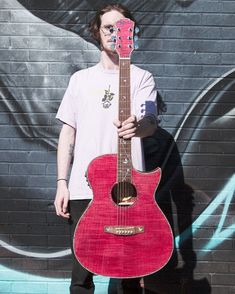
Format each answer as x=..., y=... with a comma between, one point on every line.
x=108, y=21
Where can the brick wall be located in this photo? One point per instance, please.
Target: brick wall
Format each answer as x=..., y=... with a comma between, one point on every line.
x=189, y=47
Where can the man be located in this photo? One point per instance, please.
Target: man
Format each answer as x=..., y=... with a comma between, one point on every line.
x=90, y=128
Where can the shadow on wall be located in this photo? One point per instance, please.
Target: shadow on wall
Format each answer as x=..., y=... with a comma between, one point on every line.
x=209, y=119
x=176, y=200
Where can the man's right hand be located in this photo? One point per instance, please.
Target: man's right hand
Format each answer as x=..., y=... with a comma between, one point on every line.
x=62, y=199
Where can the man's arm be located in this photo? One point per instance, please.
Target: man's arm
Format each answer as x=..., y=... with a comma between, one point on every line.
x=64, y=157
x=132, y=128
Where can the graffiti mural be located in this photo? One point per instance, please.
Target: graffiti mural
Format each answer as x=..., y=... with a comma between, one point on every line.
x=189, y=47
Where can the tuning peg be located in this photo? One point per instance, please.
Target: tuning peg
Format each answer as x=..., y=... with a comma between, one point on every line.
x=137, y=30
x=113, y=38
x=136, y=46
x=111, y=30
x=112, y=46
x=136, y=38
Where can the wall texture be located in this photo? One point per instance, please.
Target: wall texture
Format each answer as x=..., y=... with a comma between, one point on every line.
x=189, y=46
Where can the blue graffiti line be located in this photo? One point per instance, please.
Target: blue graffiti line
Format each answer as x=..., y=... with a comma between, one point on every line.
x=12, y=281
x=225, y=196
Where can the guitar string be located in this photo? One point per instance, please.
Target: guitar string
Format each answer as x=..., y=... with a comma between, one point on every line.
x=124, y=147
x=127, y=151
x=123, y=140
x=119, y=148
x=121, y=144
x=127, y=142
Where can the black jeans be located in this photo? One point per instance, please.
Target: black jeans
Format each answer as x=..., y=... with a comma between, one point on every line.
x=82, y=280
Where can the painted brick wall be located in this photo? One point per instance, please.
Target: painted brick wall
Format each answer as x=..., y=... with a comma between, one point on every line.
x=189, y=46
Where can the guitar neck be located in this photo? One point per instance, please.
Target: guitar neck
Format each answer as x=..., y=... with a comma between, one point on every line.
x=124, y=146
x=124, y=89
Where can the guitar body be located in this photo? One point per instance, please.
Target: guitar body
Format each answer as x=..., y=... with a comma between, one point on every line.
x=125, y=253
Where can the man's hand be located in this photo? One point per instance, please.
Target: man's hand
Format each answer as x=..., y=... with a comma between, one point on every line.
x=128, y=128
x=62, y=199
x=132, y=128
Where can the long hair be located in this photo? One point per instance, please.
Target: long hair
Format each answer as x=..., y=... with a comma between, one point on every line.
x=95, y=23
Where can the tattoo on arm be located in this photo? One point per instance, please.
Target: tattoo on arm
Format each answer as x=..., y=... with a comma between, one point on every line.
x=71, y=148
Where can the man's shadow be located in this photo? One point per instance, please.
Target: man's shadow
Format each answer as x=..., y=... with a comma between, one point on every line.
x=175, y=198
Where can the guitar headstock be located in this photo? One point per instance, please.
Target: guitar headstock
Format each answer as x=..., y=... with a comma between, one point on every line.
x=124, y=37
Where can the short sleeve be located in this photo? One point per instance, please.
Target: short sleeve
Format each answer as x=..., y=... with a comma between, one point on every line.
x=66, y=111
x=145, y=98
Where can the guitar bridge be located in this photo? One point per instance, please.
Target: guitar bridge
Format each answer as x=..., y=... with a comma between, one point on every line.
x=124, y=230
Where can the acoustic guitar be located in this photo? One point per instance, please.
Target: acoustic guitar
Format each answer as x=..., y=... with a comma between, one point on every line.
x=123, y=233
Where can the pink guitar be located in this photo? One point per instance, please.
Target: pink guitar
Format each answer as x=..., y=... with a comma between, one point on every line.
x=123, y=233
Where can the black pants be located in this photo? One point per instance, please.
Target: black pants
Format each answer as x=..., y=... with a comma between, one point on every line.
x=82, y=280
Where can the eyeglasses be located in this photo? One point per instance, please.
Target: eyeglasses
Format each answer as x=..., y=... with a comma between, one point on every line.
x=107, y=30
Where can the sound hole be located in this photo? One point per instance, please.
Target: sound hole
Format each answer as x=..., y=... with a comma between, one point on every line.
x=124, y=193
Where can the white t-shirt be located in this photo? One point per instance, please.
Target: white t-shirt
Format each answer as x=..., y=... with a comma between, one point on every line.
x=90, y=105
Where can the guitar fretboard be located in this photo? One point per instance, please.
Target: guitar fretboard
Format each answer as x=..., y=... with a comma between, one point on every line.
x=124, y=146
